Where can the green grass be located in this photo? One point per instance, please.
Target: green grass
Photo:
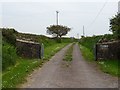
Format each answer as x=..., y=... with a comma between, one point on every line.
x=16, y=75
x=87, y=54
x=9, y=55
x=108, y=66
x=87, y=48
x=68, y=55
x=16, y=69
x=89, y=42
x=51, y=50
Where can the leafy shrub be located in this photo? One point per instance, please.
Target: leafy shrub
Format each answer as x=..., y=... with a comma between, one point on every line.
x=8, y=56
x=115, y=26
x=9, y=35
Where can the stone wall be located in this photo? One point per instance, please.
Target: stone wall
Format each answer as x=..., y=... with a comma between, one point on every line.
x=28, y=49
x=108, y=50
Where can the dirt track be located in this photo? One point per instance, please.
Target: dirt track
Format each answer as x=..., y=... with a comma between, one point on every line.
x=79, y=74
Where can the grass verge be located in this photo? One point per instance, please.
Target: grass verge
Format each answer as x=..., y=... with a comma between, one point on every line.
x=16, y=75
x=51, y=50
x=87, y=54
x=108, y=66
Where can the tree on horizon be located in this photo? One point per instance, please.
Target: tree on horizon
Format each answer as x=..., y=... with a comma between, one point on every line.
x=58, y=30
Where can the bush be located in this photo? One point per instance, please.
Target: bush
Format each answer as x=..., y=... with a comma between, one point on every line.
x=9, y=35
x=115, y=26
x=8, y=56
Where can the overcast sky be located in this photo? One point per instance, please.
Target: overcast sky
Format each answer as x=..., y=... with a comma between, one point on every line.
x=34, y=17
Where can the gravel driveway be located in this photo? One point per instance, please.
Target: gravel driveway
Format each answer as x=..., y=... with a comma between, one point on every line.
x=79, y=74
